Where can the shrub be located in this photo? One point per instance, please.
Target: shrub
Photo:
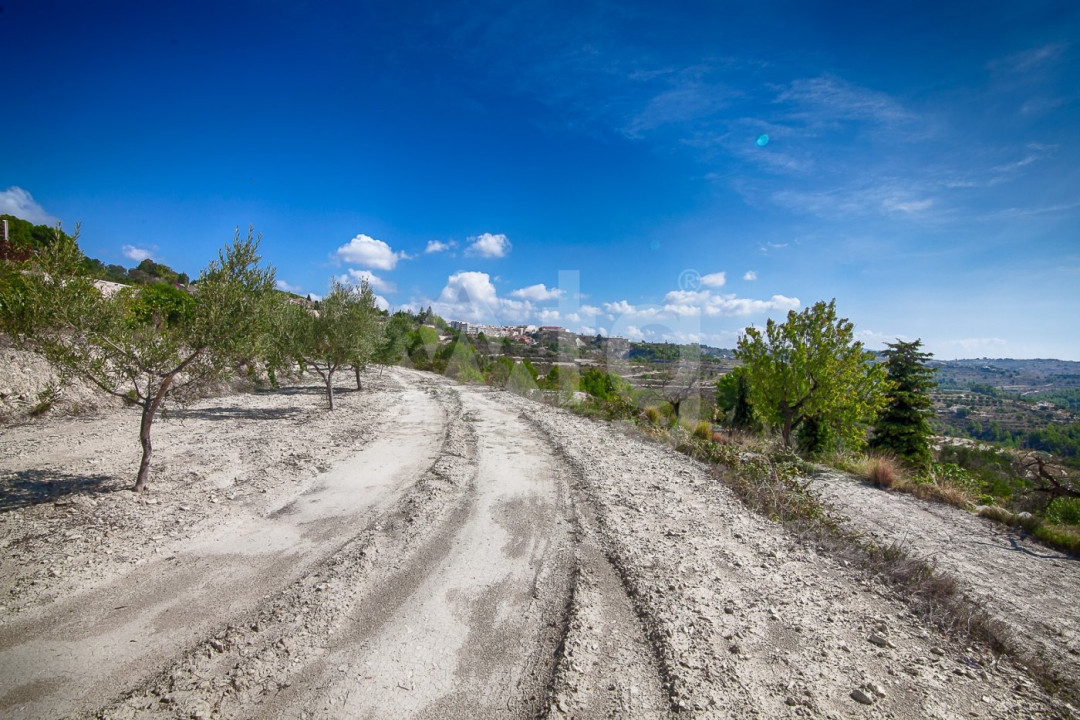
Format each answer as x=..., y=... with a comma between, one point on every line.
x=883, y=470
x=46, y=398
x=1064, y=511
x=703, y=430
x=652, y=415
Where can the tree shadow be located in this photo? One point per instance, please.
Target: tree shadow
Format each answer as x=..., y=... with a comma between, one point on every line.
x=312, y=390
x=232, y=413
x=26, y=488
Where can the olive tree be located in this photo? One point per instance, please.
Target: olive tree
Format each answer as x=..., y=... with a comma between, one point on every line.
x=811, y=368
x=145, y=345
x=342, y=331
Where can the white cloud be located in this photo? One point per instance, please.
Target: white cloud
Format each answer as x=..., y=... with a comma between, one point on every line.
x=1029, y=60
x=772, y=246
x=590, y=310
x=537, y=293
x=377, y=283
x=368, y=252
x=714, y=279
x=468, y=296
x=435, y=246
x=488, y=245
x=18, y=202
x=136, y=253
x=295, y=289
x=906, y=206
x=632, y=332
x=749, y=275
x=825, y=100
x=619, y=308
x=683, y=303
x=381, y=303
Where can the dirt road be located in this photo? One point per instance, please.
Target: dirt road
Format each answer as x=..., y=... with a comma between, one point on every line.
x=433, y=550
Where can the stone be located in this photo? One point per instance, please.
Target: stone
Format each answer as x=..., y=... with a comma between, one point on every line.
x=861, y=697
x=880, y=640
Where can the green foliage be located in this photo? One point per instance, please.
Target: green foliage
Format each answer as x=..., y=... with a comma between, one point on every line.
x=343, y=331
x=1064, y=511
x=421, y=346
x=703, y=430
x=604, y=385
x=149, y=344
x=903, y=427
x=161, y=306
x=816, y=438
x=522, y=378
x=25, y=239
x=563, y=378
x=811, y=366
x=392, y=345
x=1066, y=399
x=733, y=399
x=459, y=360
x=662, y=352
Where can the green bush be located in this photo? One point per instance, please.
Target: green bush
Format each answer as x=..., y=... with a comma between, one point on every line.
x=1064, y=511
x=703, y=430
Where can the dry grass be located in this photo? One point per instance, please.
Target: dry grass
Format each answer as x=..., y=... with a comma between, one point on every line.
x=883, y=471
x=774, y=490
x=945, y=492
x=703, y=430
x=651, y=415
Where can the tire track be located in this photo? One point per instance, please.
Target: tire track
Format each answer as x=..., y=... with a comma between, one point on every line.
x=476, y=637
x=245, y=665
x=106, y=640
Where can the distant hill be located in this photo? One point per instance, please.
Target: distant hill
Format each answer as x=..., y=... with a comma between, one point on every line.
x=25, y=239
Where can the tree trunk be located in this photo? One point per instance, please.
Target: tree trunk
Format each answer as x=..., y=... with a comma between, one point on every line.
x=358, y=385
x=149, y=410
x=786, y=428
x=147, y=447
x=330, y=388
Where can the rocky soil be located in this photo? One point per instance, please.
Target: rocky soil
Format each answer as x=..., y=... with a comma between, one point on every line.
x=435, y=550
x=1028, y=587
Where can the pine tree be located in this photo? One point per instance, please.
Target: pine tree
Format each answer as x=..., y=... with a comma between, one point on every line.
x=904, y=425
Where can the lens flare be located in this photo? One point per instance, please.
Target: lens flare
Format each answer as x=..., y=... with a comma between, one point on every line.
x=762, y=140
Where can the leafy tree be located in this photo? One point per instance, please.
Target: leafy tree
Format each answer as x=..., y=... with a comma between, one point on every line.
x=342, y=332
x=604, y=385
x=459, y=360
x=143, y=344
x=811, y=367
x=904, y=425
x=733, y=398
x=25, y=238
x=392, y=344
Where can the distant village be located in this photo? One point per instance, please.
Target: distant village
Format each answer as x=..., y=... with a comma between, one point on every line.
x=544, y=335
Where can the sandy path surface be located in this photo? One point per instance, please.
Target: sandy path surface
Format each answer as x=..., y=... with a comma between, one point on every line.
x=435, y=550
x=61, y=660
x=1033, y=589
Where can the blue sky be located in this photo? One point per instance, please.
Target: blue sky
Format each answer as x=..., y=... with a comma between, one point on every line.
x=593, y=165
